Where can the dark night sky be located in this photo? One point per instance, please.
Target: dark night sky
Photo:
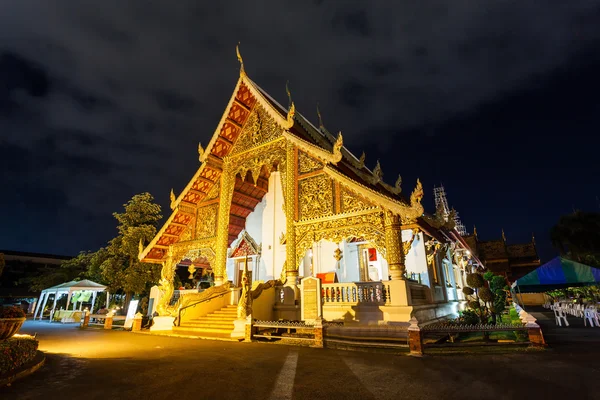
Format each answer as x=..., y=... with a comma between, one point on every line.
x=497, y=100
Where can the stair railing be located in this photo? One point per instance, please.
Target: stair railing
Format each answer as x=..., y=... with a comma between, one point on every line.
x=178, y=321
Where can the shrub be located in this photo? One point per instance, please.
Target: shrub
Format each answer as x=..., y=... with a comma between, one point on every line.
x=486, y=294
x=475, y=280
x=11, y=312
x=474, y=305
x=15, y=352
x=469, y=317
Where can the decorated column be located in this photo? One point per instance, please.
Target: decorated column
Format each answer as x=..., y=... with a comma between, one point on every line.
x=393, y=244
x=226, y=194
x=166, y=287
x=290, y=197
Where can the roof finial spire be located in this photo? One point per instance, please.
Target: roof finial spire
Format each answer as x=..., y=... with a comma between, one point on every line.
x=503, y=236
x=289, y=94
x=239, y=57
x=321, y=126
x=532, y=238
x=474, y=230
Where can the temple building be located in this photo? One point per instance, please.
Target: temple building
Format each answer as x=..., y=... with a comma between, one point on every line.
x=511, y=260
x=277, y=199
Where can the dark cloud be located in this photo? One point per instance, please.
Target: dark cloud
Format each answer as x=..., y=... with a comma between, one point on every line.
x=101, y=100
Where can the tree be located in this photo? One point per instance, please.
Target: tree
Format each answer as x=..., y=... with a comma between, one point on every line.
x=577, y=236
x=75, y=268
x=118, y=262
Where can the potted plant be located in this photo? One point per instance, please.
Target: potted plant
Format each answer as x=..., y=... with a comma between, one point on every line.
x=11, y=319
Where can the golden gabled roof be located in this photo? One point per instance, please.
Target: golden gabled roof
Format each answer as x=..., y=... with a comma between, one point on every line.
x=341, y=164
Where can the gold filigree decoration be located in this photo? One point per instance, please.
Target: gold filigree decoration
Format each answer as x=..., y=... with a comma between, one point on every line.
x=316, y=151
x=200, y=152
x=282, y=238
x=361, y=160
x=260, y=128
x=187, y=233
x=307, y=164
x=213, y=193
x=207, y=221
x=341, y=227
x=338, y=255
x=409, y=213
x=377, y=174
x=172, y=198
x=290, y=116
x=315, y=197
x=352, y=202
x=408, y=244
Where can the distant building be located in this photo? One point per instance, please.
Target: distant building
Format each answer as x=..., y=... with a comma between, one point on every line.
x=21, y=265
x=510, y=260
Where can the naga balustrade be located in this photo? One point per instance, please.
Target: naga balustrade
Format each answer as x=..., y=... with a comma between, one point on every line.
x=356, y=293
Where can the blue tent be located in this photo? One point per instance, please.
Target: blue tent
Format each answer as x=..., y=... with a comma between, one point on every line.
x=558, y=273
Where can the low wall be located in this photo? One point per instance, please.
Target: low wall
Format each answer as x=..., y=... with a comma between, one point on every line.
x=262, y=307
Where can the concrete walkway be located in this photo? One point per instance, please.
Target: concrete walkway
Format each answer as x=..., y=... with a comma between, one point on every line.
x=97, y=364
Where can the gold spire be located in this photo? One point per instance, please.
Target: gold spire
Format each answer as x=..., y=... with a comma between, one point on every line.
x=474, y=230
x=503, y=236
x=289, y=94
x=290, y=115
x=361, y=160
x=140, y=247
x=321, y=126
x=398, y=185
x=173, y=198
x=200, y=151
x=239, y=57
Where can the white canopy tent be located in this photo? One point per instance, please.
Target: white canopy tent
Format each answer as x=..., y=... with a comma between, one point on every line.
x=68, y=288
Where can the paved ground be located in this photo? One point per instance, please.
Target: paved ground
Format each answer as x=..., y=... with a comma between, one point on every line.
x=97, y=364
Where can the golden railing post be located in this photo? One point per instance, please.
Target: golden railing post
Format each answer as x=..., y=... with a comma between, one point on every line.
x=290, y=199
x=222, y=243
x=393, y=244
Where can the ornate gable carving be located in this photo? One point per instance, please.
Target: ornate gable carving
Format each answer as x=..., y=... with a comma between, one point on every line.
x=206, y=221
x=246, y=246
x=307, y=164
x=260, y=128
x=315, y=197
x=351, y=202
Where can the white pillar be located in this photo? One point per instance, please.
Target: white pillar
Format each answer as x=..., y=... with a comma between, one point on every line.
x=38, y=305
x=44, y=305
x=69, y=301
x=93, y=302
x=107, y=299
x=53, y=306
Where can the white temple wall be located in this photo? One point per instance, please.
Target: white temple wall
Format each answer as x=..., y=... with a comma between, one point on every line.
x=273, y=226
x=350, y=263
x=416, y=259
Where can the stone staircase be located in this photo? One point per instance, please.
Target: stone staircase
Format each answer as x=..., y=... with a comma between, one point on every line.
x=216, y=325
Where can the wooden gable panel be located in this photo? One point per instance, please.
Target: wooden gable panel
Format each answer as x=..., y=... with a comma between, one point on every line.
x=156, y=254
x=193, y=197
x=175, y=230
x=238, y=114
x=182, y=218
x=245, y=96
x=166, y=240
x=210, y=173
x=201, y=185
x=221, y=148
x=230, y=131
